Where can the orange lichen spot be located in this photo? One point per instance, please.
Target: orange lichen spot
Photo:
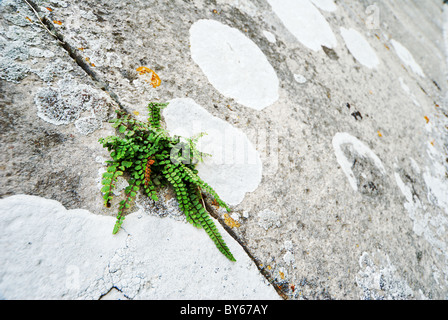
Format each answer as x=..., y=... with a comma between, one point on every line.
x=215, y=203
x=386, y=47
x=143, y=70
x=232, y=223
x=432, y=142
x=27, y=18
x=427, y=119
x=282, y=275
x=57, y=22
x=293, y=288
x=87, y=59
x=379, y=134
x=155, y=80
x=269, y=267
x=437, y=106
x=370, y=91
x=49, y=9
x=136, y=113
x=81, y=48
x=377, y=36
x=92, y=64
x=215, y=11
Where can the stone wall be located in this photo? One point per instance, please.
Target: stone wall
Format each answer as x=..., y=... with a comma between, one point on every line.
x=327, y=123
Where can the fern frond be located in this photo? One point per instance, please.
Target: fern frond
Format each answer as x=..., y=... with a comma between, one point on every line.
x=109, y=178
x=130, y=193
x=194, y=178
x=154, y=113
x=208, y=225
x=149, y=158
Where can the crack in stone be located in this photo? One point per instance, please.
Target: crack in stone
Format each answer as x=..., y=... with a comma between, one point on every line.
x=103, y=85
x=257, y=263
x=110, y=291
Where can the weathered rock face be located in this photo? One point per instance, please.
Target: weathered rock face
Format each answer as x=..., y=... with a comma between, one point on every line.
x=327, y=121
x=50, y=109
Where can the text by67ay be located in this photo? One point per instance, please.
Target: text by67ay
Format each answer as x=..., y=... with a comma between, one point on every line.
x=248, y=309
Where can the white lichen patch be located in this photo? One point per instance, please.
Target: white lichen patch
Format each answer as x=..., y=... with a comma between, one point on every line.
x=360, y=48
x=66, y=102
x=379, y=280
x=234, y=167
x=41, y=53
x=45, y=248
x=270, y=36
x=404, y=86
x=15, y=63
x=288, y=245
x=268, y=219
x=305, y=22
x=435, y=174
x=407, y=90
x=415, y=165
x=27, y=36
x=288, y=257
x=429, y=214
x=55, y=68
x=415, y=210
x=299, y=78
x=233, y=64
x=343, y=138
x=21, y=44
x=87, y=125
x=407, y=58
x=99, y=58
x=16, y=50
x=16, y=13
x=437, y=190
x=12, y=71
x=49, y=252
x=432, y=225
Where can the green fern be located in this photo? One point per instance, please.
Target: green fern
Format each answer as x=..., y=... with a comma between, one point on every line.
x=149, y=158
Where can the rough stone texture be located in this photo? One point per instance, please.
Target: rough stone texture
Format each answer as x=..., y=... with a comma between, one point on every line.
x=88, y=261
x=45, y=154
x=315, y=232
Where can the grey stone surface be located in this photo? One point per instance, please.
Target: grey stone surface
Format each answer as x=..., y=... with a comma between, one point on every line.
x=43, y=95
x=353, y=201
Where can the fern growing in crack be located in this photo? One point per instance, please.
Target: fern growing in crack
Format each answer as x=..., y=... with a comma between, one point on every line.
x=149, y=158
